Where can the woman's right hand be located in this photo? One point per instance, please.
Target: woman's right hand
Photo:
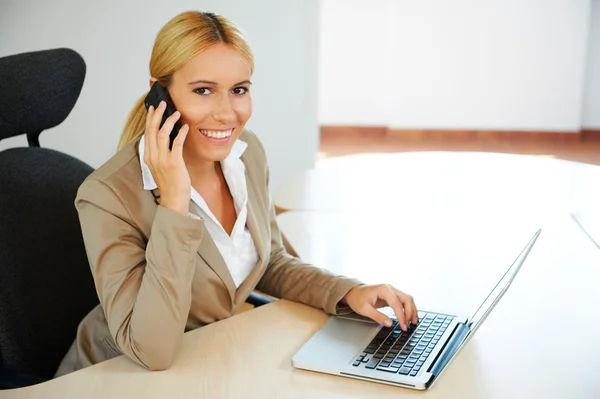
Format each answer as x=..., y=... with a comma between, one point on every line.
x=167, y=166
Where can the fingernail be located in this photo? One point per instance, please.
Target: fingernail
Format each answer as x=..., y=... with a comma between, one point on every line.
x=176, y=113
x=163, y=104
x=388, y=323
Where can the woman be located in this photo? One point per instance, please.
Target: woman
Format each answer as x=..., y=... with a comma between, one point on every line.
x=179, y=238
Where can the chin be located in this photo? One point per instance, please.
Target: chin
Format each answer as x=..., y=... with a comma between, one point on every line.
x=205, y=150
x=216, y=155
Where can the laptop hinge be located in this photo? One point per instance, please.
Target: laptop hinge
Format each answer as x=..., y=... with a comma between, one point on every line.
x=459, y=335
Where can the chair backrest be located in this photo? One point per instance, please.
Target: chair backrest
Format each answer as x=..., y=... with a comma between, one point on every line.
x=38, y=90
x=46, y=287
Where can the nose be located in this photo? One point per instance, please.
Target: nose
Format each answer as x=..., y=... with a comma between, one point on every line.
x=224, y=111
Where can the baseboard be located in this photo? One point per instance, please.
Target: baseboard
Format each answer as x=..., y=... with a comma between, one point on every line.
x=333, y=132
x=590, y=134
x=354, y=131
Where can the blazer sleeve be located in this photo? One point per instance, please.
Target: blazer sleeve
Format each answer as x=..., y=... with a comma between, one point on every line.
x=290, y=278
x=144, y=284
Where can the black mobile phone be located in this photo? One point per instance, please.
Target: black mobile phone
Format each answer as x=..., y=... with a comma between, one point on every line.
x=157, y=94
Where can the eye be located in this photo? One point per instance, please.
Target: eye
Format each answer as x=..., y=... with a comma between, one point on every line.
x=240, y=91
x=203, y=91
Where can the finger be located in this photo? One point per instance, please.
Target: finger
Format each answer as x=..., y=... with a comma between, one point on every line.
x=149, y=115
x=147, y=149
x=164, y=133
x=387, y=294
x=152, y=129
x=177, y=149
x=410, y=309
x=377, y=316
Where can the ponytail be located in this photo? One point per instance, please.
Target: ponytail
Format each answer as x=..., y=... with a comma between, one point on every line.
x=135, y=125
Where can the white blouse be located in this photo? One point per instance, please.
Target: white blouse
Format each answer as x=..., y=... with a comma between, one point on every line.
x=238, y=250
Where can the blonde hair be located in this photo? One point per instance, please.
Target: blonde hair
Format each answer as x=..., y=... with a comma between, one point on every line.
x=180, y=40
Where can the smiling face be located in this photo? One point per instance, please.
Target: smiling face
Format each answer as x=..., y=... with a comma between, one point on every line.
x=212, y=92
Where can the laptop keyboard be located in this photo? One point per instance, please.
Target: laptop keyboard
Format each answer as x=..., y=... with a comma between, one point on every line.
x=395, y=351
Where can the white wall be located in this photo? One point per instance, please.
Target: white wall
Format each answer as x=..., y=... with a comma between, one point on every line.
x=115, y=38
x=354, y=61
x=591, y=108
x=494, y=64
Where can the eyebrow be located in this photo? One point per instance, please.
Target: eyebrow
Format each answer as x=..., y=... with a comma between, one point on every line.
x=210, y=82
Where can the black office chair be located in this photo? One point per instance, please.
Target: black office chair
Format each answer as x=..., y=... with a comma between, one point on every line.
x=46, y=287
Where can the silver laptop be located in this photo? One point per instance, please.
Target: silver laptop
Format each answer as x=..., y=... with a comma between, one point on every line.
x=354, y=346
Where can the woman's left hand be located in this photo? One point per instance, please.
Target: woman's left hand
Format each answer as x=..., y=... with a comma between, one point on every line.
x=365, y=299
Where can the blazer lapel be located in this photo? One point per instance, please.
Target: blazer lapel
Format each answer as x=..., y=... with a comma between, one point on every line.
x=209, y=252
x=255, y=221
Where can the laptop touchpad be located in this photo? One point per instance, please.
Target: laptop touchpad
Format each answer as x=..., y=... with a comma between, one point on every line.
x=337, y=343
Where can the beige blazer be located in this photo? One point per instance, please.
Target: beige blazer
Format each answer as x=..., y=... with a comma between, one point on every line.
x=158, y=273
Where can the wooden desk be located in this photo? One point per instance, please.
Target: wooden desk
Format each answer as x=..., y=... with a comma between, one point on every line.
x=541, y=341
x=443, y=180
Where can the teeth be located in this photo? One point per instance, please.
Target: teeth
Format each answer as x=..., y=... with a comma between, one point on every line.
x=217, y=134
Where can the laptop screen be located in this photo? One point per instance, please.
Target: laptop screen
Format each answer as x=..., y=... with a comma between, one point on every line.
x=501, y=287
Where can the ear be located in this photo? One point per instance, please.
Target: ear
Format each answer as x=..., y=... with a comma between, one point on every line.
x=152, y=80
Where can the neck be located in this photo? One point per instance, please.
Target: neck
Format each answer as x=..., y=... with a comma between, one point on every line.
x=202, y=171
